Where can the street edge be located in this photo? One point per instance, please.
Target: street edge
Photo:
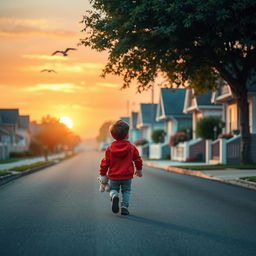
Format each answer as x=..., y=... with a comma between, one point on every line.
x=199, y=174
x=13, y=176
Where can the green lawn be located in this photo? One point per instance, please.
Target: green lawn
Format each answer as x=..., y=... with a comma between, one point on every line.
x=7, y=161
x=4, y=173
x=253, y=178
x=28, y=166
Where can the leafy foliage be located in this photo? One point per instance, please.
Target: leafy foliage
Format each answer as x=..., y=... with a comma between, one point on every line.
x=104, y=131
x=187, y=40
x=158, y=136
x=140, y=142
x=208, y=127
x=178, y=137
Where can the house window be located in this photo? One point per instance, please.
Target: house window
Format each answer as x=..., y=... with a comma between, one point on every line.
x=232, y=117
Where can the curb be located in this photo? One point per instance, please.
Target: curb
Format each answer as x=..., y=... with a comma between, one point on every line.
x=10, y=177
x=235, y=182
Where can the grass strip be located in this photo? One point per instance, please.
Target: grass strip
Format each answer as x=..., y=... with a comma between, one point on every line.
x=28, y=166
x=7, y=161
x=252, y=178
x=4, y=173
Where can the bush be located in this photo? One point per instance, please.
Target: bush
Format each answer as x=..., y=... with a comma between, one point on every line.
x=225, y=136
x=22, y=154
x=177, y=138
x=140, y=142
x=205, y=127
x=188, y=131
x=158, y=136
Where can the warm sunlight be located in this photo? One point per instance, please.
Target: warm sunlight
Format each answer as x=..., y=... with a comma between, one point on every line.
x=67, y=121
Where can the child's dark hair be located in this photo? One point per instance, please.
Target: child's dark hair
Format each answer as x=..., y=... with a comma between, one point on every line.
x=119, y=130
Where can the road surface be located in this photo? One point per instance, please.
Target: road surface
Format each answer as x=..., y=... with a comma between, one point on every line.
x=59, y=211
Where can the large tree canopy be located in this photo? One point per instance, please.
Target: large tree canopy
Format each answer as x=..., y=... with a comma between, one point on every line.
x=191, y=41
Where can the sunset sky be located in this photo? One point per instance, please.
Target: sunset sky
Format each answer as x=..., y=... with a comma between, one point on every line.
x=30, y=31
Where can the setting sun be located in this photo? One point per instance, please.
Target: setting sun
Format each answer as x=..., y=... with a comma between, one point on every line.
x=67, y=121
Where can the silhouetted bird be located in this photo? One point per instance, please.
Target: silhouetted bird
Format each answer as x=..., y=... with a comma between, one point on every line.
x=48, y=70
x=65, y=53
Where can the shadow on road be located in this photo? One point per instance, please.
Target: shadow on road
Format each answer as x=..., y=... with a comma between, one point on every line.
x=194, y=232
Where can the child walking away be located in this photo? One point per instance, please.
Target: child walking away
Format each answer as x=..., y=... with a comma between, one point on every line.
x=118, y=164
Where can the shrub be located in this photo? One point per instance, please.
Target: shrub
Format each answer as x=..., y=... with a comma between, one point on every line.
x=209, y=127
x=225, y=136
x=188, y=131
x=140, y=142
x=158, y=136
x=177, y=138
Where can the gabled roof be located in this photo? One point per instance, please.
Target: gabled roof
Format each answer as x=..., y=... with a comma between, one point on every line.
x=202, y=101
x=134, y=120
x=171, y=103
x=224, y=93
x=9, y=116
x=24, y=122
x=125, y=119
x=147, y=114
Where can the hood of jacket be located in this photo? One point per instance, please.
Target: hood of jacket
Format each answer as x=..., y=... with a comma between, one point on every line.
x=120, y=148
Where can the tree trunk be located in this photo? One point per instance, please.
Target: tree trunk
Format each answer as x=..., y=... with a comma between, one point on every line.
x=245, y=146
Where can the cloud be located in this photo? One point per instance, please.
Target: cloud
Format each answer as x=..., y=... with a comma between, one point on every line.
x=43, y=57
x=108, y=85
x=25, y=27
x=77, y=67
x=66, y=88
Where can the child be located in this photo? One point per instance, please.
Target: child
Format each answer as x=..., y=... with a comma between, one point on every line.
x=118, y=164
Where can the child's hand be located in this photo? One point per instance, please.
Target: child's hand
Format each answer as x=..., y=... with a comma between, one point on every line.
x=138, y=173
x=103, y=179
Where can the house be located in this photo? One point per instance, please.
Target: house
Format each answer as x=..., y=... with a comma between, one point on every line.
x=5, y=140
x=9, y=121
x=134, y=133
x=147, y=123
x=23, y=132
x=199, y=106
x=170, y=112
x=227, y=151
x=9, y=125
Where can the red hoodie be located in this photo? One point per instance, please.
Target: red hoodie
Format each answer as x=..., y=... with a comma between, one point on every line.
x=118, y=161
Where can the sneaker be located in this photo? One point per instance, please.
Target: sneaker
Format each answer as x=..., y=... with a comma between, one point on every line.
x=115, y=204
x=124, y=211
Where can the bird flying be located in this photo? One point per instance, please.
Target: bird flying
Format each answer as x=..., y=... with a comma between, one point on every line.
x=48, y=70
x=65, y=53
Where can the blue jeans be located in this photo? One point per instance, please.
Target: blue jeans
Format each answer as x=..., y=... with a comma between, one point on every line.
x=125, y=186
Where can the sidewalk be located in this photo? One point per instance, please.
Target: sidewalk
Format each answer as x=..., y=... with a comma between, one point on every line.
x=228, y=176
x=29, y=161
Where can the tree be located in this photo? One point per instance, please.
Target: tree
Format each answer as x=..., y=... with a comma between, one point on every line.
x=52, y=134
x=191, y=42
x=104, y=131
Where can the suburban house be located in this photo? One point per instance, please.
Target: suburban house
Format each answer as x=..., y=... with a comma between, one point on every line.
x=8, y=126
x=199, y=106
x=170, y=113
x=134, y=133
x=227, y=151
x=147, y=123
x=23, y=132
x=5, y=138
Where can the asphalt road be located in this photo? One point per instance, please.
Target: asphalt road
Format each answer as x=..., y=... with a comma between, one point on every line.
x=59, y=211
